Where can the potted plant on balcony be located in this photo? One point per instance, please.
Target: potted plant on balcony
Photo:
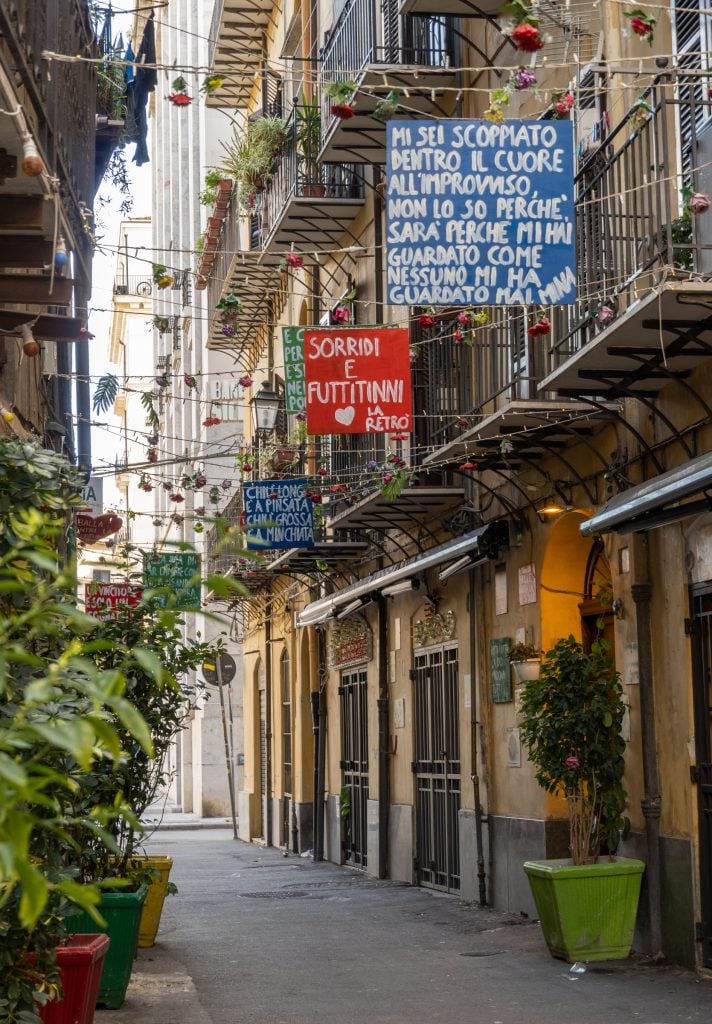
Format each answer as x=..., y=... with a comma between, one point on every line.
x=525, y=660
x=308, y=137
x=570, y=722
x=250, y=155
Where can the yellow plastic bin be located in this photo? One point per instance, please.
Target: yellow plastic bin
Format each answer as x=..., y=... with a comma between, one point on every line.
x=153, y=907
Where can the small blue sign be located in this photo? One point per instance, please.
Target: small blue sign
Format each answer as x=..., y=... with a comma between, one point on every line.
x=480, y=213
x=278, y=514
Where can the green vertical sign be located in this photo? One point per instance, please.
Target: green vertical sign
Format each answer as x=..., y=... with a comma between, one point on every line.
x=501, y=670
x=293, y=347
x=177, y=571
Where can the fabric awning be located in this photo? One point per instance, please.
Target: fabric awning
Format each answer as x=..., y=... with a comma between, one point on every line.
x=657, y=501
x=486, y=540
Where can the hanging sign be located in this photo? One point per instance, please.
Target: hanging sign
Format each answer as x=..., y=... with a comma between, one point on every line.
x=357, y=380
x=93, y=496
x=293, y=348
x=110, y=600
x=480, y=213
x=90, y=528
x=278, y=514
x=350, y=642
x=177, y=571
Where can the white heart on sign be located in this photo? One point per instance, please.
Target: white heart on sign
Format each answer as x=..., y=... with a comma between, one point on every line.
x=345, y=416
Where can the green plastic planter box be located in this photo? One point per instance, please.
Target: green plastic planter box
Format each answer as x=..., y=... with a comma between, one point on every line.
x=122, y=913
x=587, y=911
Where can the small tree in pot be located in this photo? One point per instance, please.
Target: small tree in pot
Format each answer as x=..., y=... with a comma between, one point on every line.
x=570, y=722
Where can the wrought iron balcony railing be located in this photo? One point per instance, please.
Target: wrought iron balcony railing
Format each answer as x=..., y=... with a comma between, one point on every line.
x=298, y=174
x=370, y=33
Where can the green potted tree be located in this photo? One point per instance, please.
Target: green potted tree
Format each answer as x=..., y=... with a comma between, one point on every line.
x=570, y=722
x=308, y=137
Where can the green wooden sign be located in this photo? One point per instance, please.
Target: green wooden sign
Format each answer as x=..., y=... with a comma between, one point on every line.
x=501, y=670
x=177, y=571
x=293, y=347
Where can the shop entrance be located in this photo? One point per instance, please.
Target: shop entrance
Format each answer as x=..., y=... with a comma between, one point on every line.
x=437, y=768
x=354, y=751
x=701, y=622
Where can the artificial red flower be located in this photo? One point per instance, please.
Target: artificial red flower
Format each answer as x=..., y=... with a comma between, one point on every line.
x=467, y=466
x=200, y=481
x=457, y=336
x=180, y=99
x=247, y=467
x=338, y=488
x=542, y=326
x=341, y=315
x=245, y=382
x=176, y=497
x=399, y=437
x=85, y=334
x=640, y=27
x=152, y=455
x=316, y=498
x=342, y=110
x=461, y=421
x=426, y=320
x=527, y=37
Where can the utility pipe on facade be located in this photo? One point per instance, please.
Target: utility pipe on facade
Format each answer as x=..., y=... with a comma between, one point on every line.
x=81, y=349
x=321, y=748
x=474, y=773
x=383, y=737
x=268, y=716
x=641, y=592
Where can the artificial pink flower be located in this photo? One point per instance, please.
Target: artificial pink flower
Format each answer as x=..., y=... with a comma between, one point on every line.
x=572, y=762
x=699, y=202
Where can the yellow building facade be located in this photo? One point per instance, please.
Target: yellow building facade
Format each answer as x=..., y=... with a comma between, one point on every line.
x=554, y=482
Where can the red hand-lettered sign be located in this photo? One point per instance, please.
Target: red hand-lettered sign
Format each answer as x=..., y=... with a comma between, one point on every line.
x=357, y=380
x=109, y=600
x=93, y=528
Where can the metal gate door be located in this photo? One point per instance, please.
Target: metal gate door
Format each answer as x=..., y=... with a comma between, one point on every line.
x=702, y=770
x=263, y=764
x=354, y=751
x=437, y=768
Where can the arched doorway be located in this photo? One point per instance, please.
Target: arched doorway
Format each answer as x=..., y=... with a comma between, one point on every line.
x=597, y=620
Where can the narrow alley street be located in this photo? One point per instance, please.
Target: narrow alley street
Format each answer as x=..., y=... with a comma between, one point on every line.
x=256, y=938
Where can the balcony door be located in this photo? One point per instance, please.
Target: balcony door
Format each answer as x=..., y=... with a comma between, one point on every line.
x=701, y=599
x=437, y=768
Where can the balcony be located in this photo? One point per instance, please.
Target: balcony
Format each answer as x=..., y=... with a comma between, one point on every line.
x=240, y=272
x=140, y=285
x=56, y=105
x=308, y=204
x=456, y=8
x=384, y=52
x=236, y=35
x=639, y=256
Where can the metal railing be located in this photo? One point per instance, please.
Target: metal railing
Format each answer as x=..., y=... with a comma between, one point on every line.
x=297, y=172
x=631, y=231
x=133, y=284
x=369, y=32
x=631, y=228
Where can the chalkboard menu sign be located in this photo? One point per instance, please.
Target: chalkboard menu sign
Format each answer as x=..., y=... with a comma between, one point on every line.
x=501, y=670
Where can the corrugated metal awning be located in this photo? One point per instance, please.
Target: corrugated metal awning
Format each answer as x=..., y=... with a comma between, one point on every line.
x=657, y=501
x=486, y=541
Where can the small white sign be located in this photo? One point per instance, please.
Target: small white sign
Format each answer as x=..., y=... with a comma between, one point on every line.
x=399, y=713
x=467, y=688
x=631, y=674
x=527, y=584
x=93, y=496
x=500, y=590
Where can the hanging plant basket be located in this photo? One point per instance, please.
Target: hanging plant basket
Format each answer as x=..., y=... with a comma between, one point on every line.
x=526, y=671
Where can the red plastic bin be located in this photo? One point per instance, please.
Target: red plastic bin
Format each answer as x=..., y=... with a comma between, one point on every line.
x=80, y=964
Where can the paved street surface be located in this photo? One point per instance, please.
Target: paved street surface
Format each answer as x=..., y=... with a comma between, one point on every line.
x=256, y=938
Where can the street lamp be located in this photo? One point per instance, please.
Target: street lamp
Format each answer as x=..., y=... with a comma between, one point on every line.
x=265, y=406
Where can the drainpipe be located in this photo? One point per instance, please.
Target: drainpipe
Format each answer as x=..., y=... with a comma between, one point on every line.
x=474, y=775
x=83, y=407
x=641, y=593
x=268, y=717
x=383, y=738
x=315, y=799
x=321, y=752
x=64, y=398
x=378, y=245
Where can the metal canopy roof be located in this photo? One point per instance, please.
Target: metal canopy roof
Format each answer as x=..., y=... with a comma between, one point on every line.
x=487, y=539
x=663, y=336
x=332, y=553
x=656, y=502
x=526, y=420
x=460, y=8
x=414, y=506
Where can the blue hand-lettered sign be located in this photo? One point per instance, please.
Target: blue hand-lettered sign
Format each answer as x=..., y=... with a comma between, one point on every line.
x=278, y=514
x=480, y=213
